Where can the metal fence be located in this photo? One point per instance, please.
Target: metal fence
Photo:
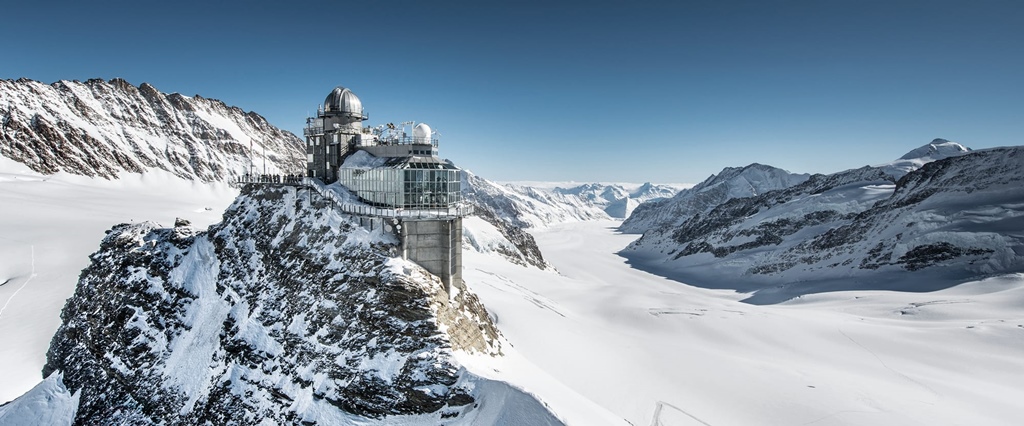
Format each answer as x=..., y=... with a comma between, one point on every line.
x=359, y=209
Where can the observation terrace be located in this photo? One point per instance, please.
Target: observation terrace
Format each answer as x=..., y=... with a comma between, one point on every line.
x=350, y=204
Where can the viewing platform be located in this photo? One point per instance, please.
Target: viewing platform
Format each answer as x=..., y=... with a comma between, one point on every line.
x=348, y=203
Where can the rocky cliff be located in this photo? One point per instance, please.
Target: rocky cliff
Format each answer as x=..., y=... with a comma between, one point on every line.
x=284, y=313
x=100, y=128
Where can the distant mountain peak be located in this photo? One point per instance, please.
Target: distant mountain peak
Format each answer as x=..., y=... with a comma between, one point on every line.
x=936, y=150
x=732, y=182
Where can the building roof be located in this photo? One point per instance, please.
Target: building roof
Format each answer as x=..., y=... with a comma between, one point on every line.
x=342, y=100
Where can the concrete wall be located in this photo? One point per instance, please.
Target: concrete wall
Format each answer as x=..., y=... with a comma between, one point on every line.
x=436, y=245
x=328, y=152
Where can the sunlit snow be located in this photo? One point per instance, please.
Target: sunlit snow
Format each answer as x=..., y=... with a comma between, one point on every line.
x=640, y=345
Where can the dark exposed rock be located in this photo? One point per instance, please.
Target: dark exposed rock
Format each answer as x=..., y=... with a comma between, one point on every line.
x=927, y=255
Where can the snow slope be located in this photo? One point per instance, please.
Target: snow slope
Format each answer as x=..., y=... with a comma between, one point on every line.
x=101, y=128
x=528, y=207
x=731, y=182
x=48, y=227
x=656, y=351
x=938, y=149
x=48, y=404
x=948, y=221
x=618, y=200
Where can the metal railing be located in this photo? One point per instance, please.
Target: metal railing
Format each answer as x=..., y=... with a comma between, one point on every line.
x=406, y=140
x=313, y=130
x=270, y=179
x=461, y=209
x=458, y=210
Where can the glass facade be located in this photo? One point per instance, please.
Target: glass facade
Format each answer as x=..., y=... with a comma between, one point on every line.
x=407, y=188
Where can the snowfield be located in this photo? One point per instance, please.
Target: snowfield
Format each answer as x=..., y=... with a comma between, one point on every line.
x=656, y=351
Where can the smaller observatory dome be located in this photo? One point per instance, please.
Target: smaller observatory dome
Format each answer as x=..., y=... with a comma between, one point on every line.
x=421, y=133
x=342, y=100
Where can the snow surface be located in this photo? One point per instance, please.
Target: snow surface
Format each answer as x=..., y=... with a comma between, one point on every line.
x=642, y=346
x=48, y=227
x=48, y=404
x=938, y=149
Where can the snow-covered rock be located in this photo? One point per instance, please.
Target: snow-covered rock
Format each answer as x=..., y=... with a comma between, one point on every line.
x=952, y=219
x=528, y=206
x=285, y=312
x=100, y=128
x=619, y=200
x=731, y=182
x=938, y=149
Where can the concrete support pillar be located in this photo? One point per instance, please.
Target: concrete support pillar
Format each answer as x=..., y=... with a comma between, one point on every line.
x=436, y=245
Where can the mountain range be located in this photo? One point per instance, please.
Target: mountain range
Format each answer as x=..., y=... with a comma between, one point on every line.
x=940, y=211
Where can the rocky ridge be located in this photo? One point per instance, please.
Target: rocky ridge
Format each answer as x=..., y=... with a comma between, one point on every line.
x=732, y=182
x=955, y=217
x=102, y=128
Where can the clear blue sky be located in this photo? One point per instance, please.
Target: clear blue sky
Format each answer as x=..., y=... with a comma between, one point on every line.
x=584, y=91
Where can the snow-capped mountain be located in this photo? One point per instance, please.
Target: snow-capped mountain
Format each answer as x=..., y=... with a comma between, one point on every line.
x=503, y=212
x=101, y=128
x=938, y=149
x=731, y=182
x=286, y=312
x=951, y=219
x=619, y=200
x=528, y=206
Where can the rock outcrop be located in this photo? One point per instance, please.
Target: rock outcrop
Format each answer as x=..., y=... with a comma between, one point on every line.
x=284, y=313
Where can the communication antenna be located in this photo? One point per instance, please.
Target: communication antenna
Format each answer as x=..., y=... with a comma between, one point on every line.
x=252, y=159
x=407, y=123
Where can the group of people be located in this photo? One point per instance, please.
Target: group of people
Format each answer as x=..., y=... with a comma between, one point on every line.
x=268, y=178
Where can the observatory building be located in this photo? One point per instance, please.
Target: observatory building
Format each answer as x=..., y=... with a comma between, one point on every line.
x=396, y=170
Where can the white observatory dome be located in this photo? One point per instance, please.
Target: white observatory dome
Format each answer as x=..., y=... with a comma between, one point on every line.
x=342, y=100
x=421, y=133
